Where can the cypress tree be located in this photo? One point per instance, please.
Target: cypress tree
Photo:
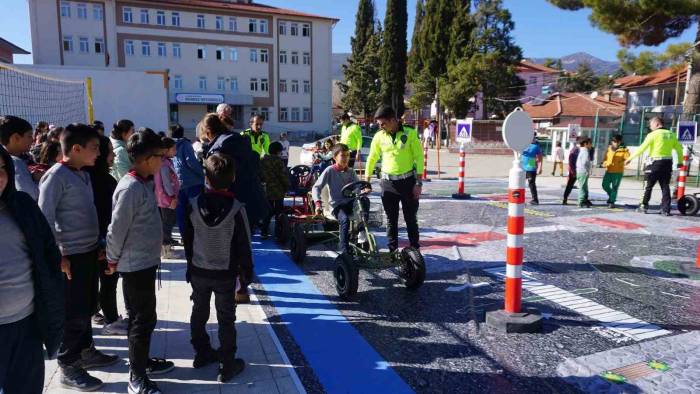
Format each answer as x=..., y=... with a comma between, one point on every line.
x=414, y=62
x=393, y=65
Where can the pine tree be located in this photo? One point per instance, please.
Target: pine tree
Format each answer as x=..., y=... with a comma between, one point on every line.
x=460, y=32
x=393, y=59
x=414, y=61
x=583, y=80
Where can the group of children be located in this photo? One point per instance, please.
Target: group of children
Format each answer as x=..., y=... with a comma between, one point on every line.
x=107, y=223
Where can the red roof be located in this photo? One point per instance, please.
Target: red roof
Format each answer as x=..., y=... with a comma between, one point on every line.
x=560, y=105
x=12, y=47
x=250, y=7
x=661, y=77
x=529, y=67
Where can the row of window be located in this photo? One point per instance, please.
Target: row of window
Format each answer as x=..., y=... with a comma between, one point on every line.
x=306, y=57
x=221, y=24
x=82, y=11
x=294, y=86
x=83, y=44
x=294, y=29
x=262, y=84
x=263, y=112
x=294, y=111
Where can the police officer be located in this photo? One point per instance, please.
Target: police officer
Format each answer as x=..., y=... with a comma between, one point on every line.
x=259, y=139
x=660, y=143
x=351, y=135
x=402, y=165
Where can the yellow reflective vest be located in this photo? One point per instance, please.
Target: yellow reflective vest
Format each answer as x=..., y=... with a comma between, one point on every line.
x=660, y=143
x=400, y=153
x=260, y=142
x=351, y=135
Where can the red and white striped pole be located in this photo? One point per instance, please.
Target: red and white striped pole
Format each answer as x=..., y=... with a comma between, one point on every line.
x=425, y=161
x=460, y=195
x=697, y=258
x=682, y=174
x=515, y=229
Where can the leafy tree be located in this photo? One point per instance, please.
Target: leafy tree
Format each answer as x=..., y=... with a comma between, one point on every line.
x=583, y=80
x=393, y=58
x=553, y=63
x=647, y=22
x=646, y=62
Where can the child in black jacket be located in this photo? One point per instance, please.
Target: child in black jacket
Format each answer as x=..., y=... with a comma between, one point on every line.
x=218, y=249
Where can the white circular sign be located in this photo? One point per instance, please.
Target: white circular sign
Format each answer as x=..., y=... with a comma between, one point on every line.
x=517, y=130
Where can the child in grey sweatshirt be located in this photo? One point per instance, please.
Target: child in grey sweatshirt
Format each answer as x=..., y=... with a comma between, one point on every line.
x=583, y=171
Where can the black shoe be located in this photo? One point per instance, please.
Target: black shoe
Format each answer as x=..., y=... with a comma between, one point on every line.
x=204, y=358
x=588, y=204
x=264, y=235
x=564, y=202
x=666, y=213
x=611, y=205
x=229, y=370
x=93, y=358
x=534, y=202
x=642, y=209
x=97, y=318
x=142, y=385
x=157, y=366
x=76, y=378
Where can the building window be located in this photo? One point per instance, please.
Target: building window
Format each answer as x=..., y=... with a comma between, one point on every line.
x=265, y=113
x=283, y=28
x=219, y=23
x=175, y=19
x=283, y=57
x=65, y=9
x=127, y=15
x=295, y=86
x=306, y=30
x=252, y=25
x=307, y=58
x=254, y=111
x=82, y=11
x=294, y=30
x=84, y=45
x=201, y=23
x=253, y=55
x=263, y=26
x=234, y=84
x=232, y=23
x=177, y=53
x=160, y=18
x=99, y=45
x=67, y=44
x=295, y=57
x=98, y=12
x=264, y=86
x=220, y=84
x=144, y=17
x=253, y=84
x=283, y=86
x=129, y=47
x=145, y=48
x=306, y=115
x=284, y=114
x=162, y=50
x=202, y=83
x=263, y=56
x=295, y=114
x=219, y=54
x=307, y=87
x=233, y=54
x=201, y=53
x=177, y=81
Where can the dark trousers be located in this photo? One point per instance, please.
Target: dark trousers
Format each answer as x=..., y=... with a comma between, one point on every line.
x=531, y=177
x=570, y=182
x=343, y=213
x=183, y=198
x=393, y=193
x=660, y=171
x=202, y=289
x=140, y=298
x=353, y=154
x=168, y=217
x=81, y=303
x=276, y=207
x=21, y=358
x=108, y=294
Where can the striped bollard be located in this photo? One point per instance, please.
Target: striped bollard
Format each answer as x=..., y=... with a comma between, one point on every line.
x=425, y=162
x=515, y=231
x=697, y=258
x=460, y=195
x=682, y=174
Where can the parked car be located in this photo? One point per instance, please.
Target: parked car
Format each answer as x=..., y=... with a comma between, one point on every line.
x=307, y=151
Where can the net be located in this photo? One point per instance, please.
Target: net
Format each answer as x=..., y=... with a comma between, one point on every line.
x=35, y=97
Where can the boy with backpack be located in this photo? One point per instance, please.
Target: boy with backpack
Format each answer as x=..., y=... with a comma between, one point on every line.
x=274, y=176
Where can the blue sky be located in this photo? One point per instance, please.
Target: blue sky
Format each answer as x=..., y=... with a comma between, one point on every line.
x=541, y=29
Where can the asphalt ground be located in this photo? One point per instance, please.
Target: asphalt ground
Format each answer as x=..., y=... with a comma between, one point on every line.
x=435, y=338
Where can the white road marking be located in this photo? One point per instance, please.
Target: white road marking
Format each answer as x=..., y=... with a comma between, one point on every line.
x=611, y=319
x=466, y=286
x=676, y=295
x=626, y=282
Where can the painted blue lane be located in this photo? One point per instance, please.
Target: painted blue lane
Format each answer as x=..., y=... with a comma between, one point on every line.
x=340, y=357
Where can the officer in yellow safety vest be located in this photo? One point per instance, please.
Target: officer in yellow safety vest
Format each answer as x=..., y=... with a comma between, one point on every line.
x=259, y=139
x=660, y=143
x=402, y=166
x=351, y=135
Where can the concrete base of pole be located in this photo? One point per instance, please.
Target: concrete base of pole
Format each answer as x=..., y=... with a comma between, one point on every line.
x=461, y=196
x=503, y=322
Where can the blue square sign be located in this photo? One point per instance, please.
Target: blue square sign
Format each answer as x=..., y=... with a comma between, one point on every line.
x=687, y=132
x=464, y=129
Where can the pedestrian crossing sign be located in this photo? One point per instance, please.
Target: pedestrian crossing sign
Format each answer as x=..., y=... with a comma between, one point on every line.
x=687, y=132
x=464, y=130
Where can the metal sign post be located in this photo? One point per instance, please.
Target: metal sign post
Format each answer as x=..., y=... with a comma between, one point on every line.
x=464, y=135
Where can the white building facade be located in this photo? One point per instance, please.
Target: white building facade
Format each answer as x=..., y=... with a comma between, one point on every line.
x=260, y=59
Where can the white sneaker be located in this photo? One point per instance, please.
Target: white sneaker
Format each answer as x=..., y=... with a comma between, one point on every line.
x=114, y=328
x=362, y=237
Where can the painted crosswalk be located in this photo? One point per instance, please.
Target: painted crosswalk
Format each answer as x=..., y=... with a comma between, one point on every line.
x=612, y=319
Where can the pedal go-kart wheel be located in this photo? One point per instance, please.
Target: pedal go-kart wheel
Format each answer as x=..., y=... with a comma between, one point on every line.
x=412, y=268
x=282, y=229
x=688, y=205
x=346, y=277
x=297, y=244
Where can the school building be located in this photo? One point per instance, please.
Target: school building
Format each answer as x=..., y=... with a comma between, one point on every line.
x=260, y=59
